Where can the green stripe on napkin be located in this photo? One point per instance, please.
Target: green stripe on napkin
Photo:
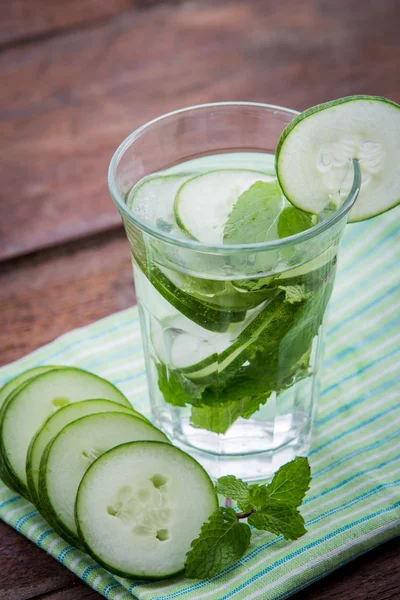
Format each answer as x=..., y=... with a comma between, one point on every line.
x=354, y=500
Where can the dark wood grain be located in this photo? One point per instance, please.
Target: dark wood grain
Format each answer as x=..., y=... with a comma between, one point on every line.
x=67, y=102
x=77, y=592
x=25, y=570
x=373, y=576
x=22, y=20
x=45, y=295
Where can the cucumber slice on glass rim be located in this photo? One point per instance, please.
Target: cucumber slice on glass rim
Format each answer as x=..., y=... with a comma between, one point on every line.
x=68, y=456
x=131, y=506
x=54, y=425
x=203, y=203
x=314, y=154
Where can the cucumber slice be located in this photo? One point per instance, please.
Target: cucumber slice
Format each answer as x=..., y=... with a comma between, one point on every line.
x=181, y=344
x=37, y=400
x=208, y=317
x=6, y=393
x=152, y=200
x=54, y=425
x=68, y=456
x=140, y=506
x=203, y=204
x=160, y=297
x=219, y=367
x=217, y=294
x=315, y=150
x=10, y=387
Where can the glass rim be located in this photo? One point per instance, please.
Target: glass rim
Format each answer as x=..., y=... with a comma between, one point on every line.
x=308, y=234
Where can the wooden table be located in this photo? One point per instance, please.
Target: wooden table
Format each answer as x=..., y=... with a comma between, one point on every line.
x=75, y=78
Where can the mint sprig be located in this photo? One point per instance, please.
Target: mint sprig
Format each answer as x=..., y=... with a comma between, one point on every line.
x=222, y=541
x=274, y=507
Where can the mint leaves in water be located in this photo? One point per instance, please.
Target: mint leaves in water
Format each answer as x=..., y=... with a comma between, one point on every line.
x=273, y=507
x=255, y=214
x=292, y=221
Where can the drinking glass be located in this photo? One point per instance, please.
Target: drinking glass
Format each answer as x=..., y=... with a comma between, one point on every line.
x=245, y=321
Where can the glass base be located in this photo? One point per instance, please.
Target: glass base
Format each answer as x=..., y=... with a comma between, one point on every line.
x=251, y=450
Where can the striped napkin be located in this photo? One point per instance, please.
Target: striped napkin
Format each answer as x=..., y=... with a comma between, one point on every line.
x=354, y=500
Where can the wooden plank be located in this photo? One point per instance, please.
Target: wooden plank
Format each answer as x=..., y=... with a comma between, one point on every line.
x=373, y=576
x=43, y=296
x=27, y=19
x=80, y=591
x=25, y=570
x=68, y=101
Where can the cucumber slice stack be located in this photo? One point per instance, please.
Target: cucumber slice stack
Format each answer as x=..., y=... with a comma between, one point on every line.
x=56, y=423
x=33, y=402
x=313, y=157
x=68, y=456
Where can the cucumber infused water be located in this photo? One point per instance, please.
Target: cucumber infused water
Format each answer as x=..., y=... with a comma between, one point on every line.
x=232, y=283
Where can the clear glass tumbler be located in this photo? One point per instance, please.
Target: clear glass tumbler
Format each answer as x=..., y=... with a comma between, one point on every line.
x=232, y=335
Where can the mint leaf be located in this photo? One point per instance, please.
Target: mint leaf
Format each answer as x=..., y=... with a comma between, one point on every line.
x=258, y=496
x=221, y=542
x=290, y=482
x=255, y=285
x=231, y=487
x=218, y=417
x=254, y=217
x=292, y=220
x=295, y=293
x=280, y=519
x=176, y=389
